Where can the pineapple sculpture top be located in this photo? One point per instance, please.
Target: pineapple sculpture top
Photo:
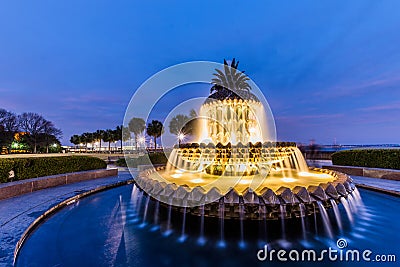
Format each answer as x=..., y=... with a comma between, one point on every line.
x=231, y=83
x=233, y=113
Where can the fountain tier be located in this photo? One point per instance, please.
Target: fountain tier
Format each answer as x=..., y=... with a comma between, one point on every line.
x=265, y=202
x=237, y=171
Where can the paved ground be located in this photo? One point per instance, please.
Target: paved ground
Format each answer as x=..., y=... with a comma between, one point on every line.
x=318, y=163
x=377, y=182
x=103, y=156
x=17, y=213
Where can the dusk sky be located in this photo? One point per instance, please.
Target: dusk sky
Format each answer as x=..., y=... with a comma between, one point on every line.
x=329, y=69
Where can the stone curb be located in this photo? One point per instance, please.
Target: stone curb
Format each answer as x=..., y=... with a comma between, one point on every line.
x=378, y=189
x=58, y=207
x=367, y=172
x=12, y=189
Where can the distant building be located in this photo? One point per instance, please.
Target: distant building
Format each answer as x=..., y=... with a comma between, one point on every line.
x=16, y=145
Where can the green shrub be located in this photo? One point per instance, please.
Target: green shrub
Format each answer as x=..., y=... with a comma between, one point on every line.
x=121, y=163
x=25, y=168
x=373, y=158
x=6, y=165
x=151, y=158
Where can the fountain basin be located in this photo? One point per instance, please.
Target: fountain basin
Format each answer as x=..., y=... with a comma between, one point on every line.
x=114, y=236
x=261, y=203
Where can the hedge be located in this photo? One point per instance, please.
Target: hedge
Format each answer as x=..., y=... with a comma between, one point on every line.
x=151, y=158
x=373, y=158
x=25, y=168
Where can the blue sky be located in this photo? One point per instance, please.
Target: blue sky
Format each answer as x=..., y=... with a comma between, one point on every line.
x=329, y=69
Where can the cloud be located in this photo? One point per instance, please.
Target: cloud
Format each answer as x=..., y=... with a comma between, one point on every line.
x=94, y=98
x=359, y=88
x=309, y=117
x=389, y=106
x=92, y=102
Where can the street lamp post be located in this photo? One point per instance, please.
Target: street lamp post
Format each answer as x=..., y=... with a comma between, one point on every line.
x=181, y=136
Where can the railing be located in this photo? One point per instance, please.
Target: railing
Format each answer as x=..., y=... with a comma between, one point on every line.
x=318, y=155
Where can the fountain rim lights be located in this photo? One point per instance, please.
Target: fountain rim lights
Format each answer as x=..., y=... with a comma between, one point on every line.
x=341, y=187
x=340, y=178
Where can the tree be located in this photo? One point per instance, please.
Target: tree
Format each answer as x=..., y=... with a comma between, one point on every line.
x=118, y=134
x=76, y=139
x=230, y=82
x=87, y=138
x=8, y=127
x=191, y=125
x=126, y=134
x=11, y=123
x=106, y=137
x=177, y=126
x=193, y=114
x=98, y=135
x=137, y=126
x=6, y=138
x=155, y=129
x=3, y=114
x=109, y=136
x=48, y=143
x=37, y=130
x=22, y=141
x=51, y=133
x=34, y=124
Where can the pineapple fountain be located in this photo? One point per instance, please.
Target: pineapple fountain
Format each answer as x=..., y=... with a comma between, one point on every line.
x=235, y=173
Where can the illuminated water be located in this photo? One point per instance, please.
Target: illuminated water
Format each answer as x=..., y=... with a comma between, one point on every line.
x=235, y=149
x=274, y=181
x=104, y=230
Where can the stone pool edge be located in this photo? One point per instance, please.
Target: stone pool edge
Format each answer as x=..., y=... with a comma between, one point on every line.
x=389, y=174
x=17, y=188
x=58, y=207
x=378, y=189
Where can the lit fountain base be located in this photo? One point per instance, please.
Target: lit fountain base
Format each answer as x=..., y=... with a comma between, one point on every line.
x=248, y=204
x=284, y=216
x=227, y=186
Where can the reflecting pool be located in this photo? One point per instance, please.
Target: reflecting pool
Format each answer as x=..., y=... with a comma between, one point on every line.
x=106, y=229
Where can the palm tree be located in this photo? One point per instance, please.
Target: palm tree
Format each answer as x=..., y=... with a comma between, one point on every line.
x=177, y=124
x=98, y=135
x=87, y=138
x=126, y=135
x=193, y=114
x=137, y=126
x=191, y=125
x=76, y=139
x=109, y=136
x=155, y=129
x=114, y=136
x=230, y=81
x=118, y=134
x=182, y=125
